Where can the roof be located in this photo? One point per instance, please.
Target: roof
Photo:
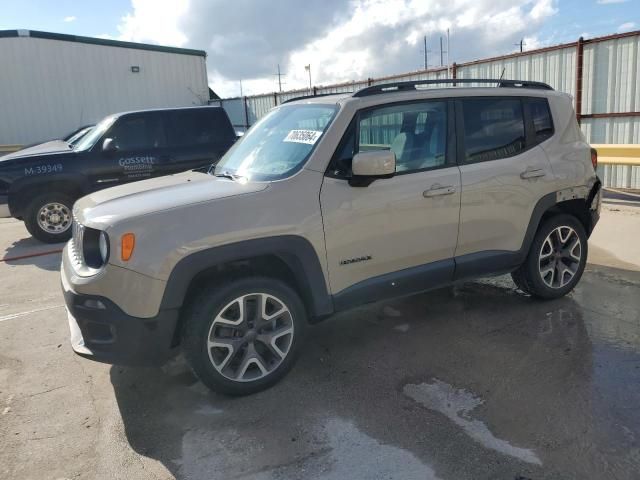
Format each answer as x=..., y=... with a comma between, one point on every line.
x=99, y=41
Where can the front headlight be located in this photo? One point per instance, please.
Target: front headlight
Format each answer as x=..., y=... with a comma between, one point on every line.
x=95, y=248
x=103, y=246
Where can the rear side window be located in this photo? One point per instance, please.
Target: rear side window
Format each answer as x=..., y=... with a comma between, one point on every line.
x=493, y=128
x=138, y=132
x=541, y=116
x=198, y=127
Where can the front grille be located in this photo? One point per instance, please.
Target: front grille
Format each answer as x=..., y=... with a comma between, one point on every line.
x=76, y=243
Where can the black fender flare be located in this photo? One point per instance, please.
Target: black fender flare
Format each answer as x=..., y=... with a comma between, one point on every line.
x=295, y=251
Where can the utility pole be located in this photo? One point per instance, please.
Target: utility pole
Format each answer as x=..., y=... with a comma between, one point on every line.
x=241, y=88
x=441, y=52
x=279, y=75
x=521, y=44
x=448, y=50
x=308, y=69
x=426, y=62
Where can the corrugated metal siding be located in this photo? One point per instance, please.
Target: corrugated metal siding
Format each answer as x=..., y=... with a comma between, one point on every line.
x=612, y=130
x=610, y=78
x=556, y=67
x=49, y=87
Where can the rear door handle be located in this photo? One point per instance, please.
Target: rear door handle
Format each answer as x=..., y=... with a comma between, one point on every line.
x=532, y=173
x=437, y=190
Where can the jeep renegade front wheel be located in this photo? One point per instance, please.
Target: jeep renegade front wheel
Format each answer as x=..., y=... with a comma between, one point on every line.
x=243, y=337
x=556, y=259
x=48, y=217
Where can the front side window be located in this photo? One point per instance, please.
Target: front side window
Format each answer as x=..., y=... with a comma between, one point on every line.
x=95, y=134
x=493, y=128
x=415, y=132
x=279, y=144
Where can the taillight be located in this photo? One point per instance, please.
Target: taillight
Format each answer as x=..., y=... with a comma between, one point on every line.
x=594, y=158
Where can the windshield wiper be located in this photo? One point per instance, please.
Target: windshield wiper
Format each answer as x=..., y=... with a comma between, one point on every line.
x=229, y=175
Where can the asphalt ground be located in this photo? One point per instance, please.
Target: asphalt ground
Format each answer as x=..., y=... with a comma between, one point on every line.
x=477, y=381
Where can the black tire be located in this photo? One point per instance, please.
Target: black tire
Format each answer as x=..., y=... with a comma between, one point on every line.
x=528, y=276
x=201, y=313
x=32, y=213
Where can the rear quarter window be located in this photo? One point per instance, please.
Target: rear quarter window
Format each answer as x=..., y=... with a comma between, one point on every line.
x=541, y=117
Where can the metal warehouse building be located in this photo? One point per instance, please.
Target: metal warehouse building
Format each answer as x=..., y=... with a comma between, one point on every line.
x=601, y=74
x=52, y=84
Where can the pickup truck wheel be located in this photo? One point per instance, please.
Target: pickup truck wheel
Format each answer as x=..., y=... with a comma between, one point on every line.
x=556, y=260
x=48, y=217
x=244, y=336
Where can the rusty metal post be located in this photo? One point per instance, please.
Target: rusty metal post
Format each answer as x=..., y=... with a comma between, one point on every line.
x=454, y=72
x=579, y=65
x=275, y=99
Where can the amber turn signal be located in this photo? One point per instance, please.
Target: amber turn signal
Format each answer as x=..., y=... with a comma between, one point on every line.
x=128, y=243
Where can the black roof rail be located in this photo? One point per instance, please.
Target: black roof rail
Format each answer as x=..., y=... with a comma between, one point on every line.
x=303, y=97
x=411, y=85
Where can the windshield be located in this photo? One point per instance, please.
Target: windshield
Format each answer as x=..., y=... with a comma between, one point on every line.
x=94, y=135
x=76, y=137
x=279, y=144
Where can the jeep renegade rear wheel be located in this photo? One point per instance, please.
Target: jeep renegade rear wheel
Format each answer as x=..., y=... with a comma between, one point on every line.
x=48, y=217
x=243, y=337
x=556, y=259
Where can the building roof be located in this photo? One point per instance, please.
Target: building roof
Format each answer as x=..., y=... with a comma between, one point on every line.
x=99, y=41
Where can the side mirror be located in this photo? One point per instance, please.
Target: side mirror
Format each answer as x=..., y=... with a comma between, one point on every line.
x=370, y=166
x=108, y=145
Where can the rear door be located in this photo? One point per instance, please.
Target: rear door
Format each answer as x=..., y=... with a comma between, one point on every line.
x=141, y=149
x=504, y=173
x=198, y=137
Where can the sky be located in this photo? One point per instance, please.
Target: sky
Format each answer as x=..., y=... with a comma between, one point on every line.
x=342, y=40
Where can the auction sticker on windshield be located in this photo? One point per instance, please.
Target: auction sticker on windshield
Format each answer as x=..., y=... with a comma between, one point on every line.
x=303, y=136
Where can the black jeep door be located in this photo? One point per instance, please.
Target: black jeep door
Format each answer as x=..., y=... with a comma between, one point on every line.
x=198, y=137
x=138, y=150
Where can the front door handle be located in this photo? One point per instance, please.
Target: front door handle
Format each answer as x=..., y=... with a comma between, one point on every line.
x=532, y=173
x=437, y=190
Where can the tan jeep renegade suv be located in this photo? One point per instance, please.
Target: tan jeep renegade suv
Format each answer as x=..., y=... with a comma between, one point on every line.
x=327, y=203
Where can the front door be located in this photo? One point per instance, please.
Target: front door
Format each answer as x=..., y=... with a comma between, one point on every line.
x=398, y=234
x=140, y=151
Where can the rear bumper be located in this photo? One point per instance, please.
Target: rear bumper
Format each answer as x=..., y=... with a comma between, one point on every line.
x=101, y=331
x=4, y=206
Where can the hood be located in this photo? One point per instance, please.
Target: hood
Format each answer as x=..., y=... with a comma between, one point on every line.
x=112, y=205
x=54, y=146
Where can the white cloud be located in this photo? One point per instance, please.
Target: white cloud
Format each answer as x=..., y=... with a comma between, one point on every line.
x=70, y=18
x=625, y=27
x=343, y=40
x=608, y=2
x=154, y=21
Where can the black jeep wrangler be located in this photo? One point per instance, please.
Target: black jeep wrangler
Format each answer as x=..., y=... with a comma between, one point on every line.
x=40, y=187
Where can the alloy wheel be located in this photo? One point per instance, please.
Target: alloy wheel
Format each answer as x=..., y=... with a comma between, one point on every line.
x=560, y=256
x=250, y=337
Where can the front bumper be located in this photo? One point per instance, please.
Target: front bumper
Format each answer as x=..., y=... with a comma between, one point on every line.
x=4, y=206
x=101, y=331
